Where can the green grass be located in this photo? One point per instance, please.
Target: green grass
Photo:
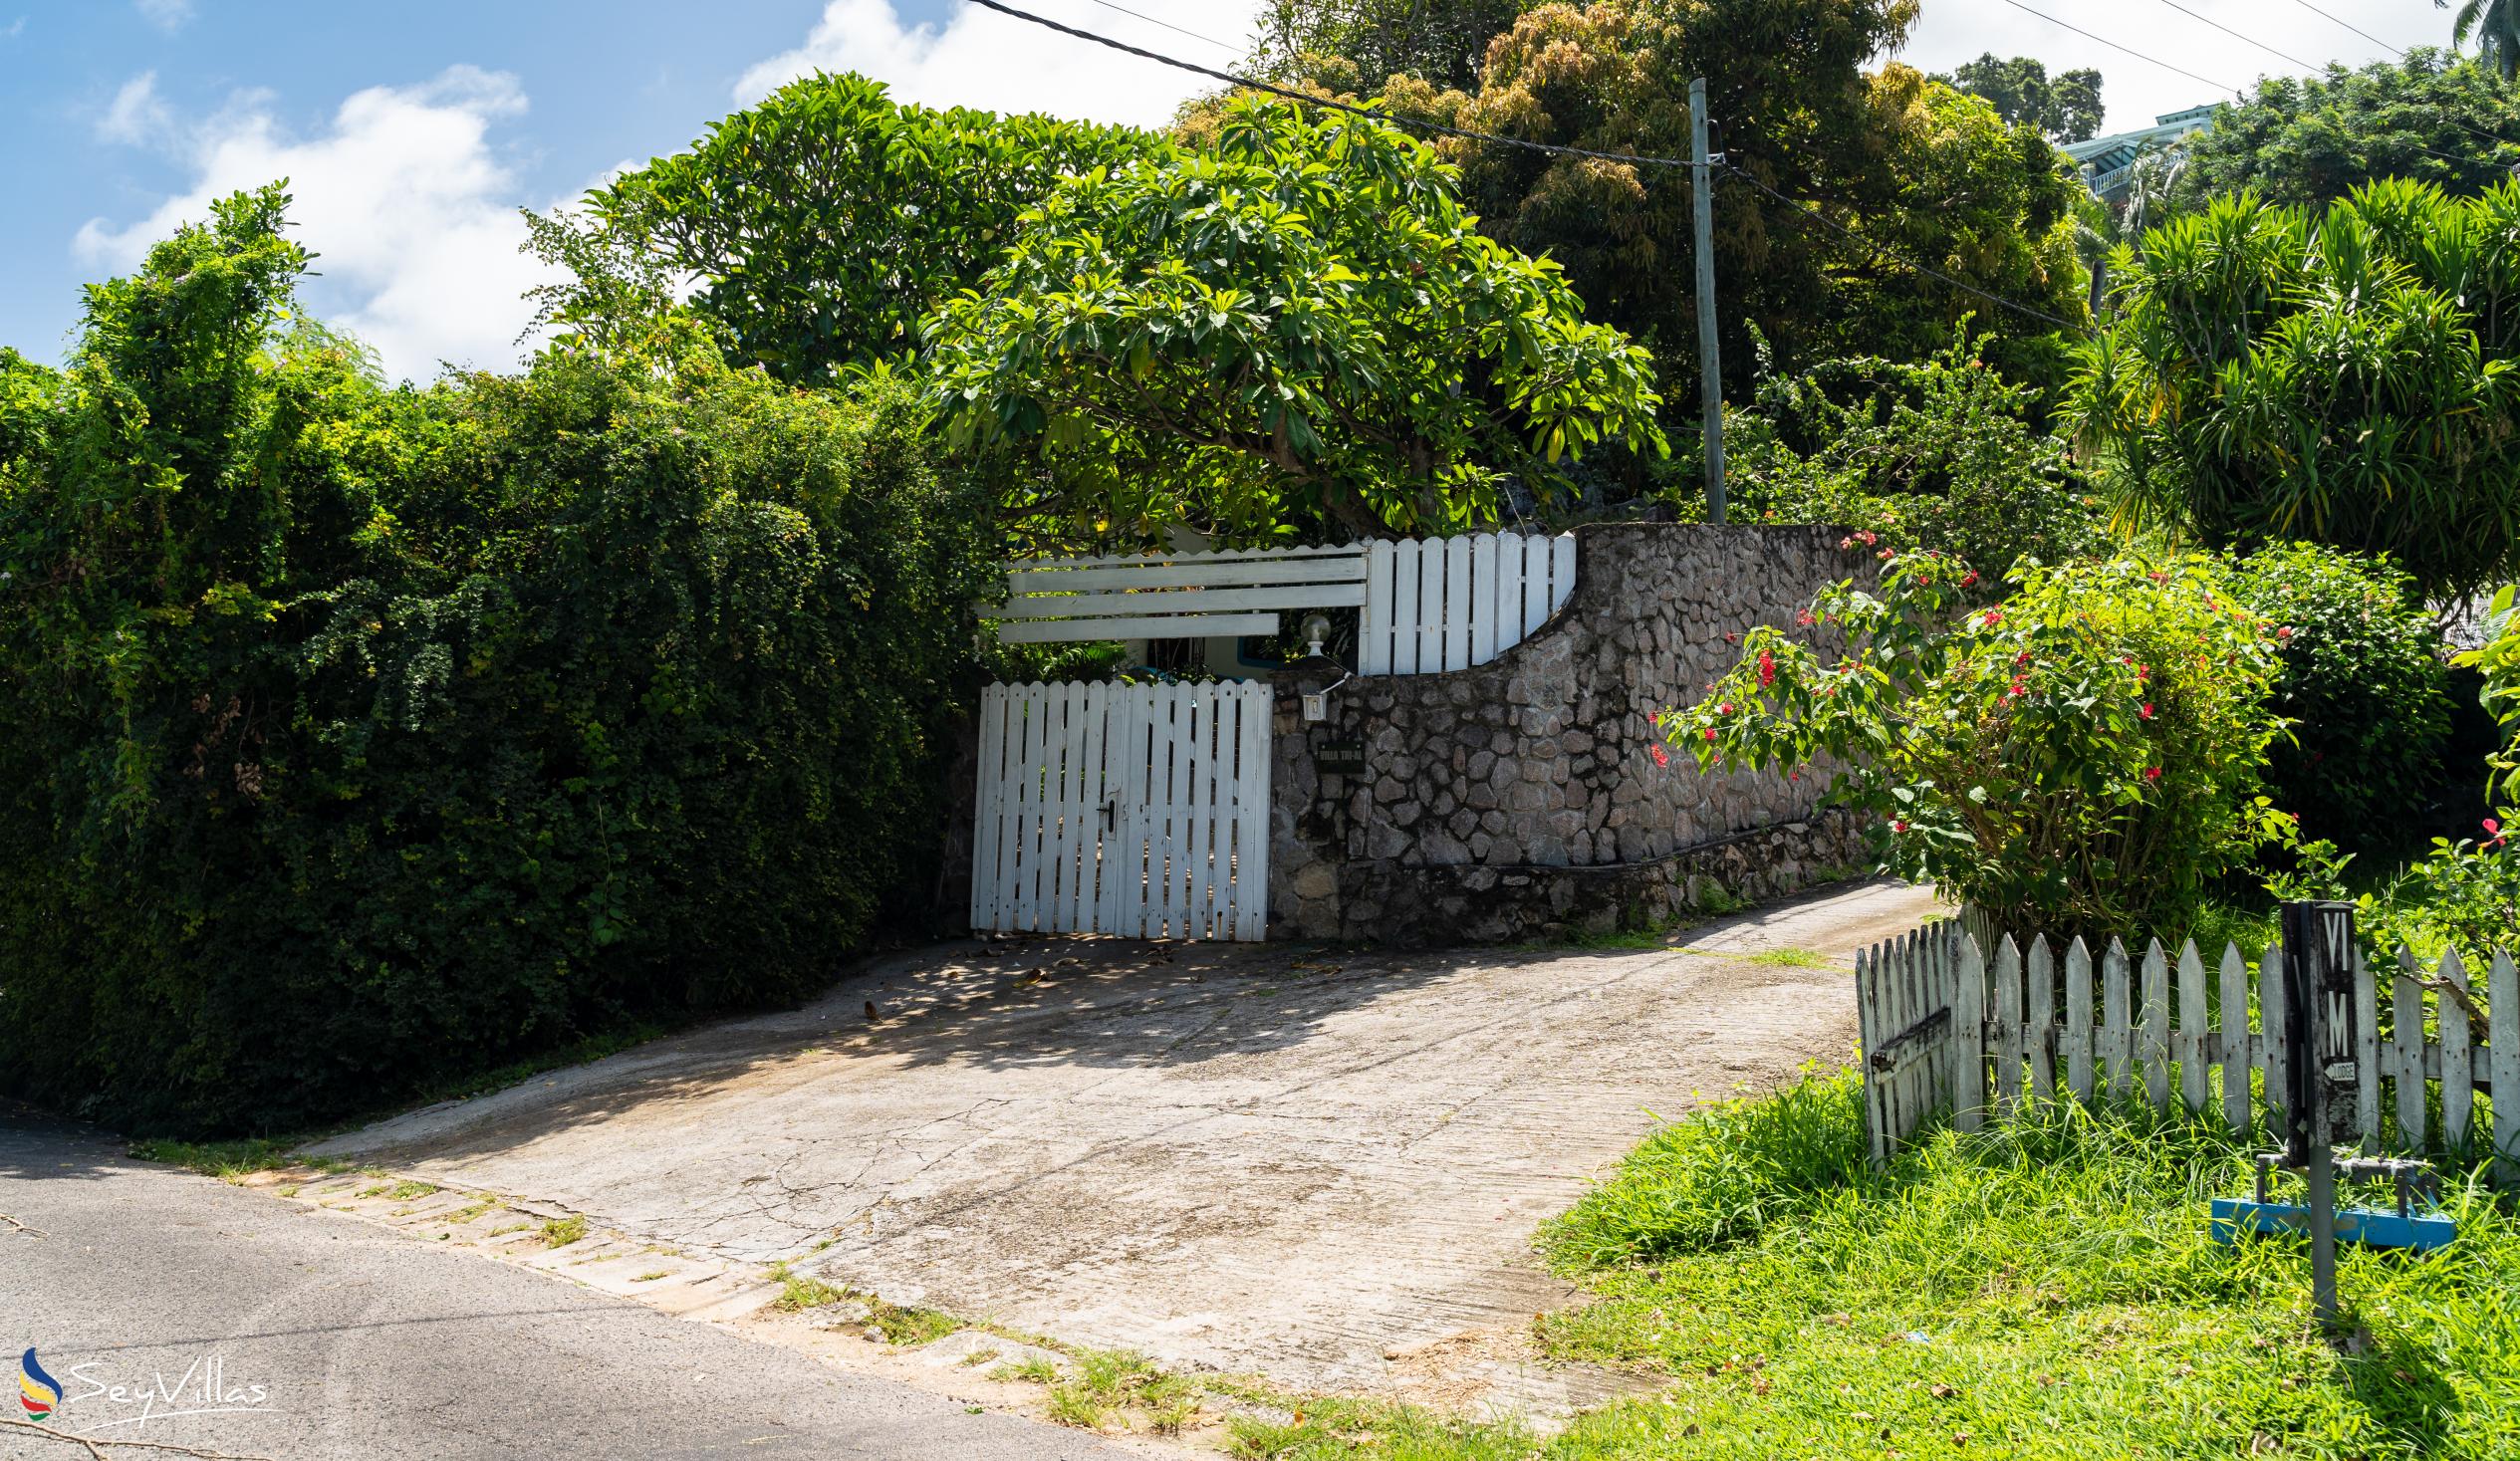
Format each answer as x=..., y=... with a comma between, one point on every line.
x=2042, y=1289
x=1787, y=959
x=1110, y=1384
x=561, y=1232
x=231, y=1161
x=1333, y=1429
x=1032, y=1368
x=801, y=1291
x=902, y=1324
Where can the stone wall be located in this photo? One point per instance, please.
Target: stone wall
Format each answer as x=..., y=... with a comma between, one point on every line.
x=1521, y=799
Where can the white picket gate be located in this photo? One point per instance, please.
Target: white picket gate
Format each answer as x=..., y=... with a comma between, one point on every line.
x=1446, y=603
x=1137, y=809
x=1943, y=1029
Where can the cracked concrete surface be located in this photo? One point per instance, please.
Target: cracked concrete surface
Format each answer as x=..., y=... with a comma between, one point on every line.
x=1318, y=1165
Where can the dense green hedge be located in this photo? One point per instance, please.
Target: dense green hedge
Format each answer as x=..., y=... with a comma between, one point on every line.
x=351, y=736
x=2366, y=685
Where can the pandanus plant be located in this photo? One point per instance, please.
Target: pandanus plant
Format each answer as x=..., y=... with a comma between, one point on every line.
x=2346, y=377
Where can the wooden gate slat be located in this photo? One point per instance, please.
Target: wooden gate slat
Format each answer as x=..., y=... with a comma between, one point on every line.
x=1868, y=1015
x=2458, y=1075
x=2275, y=1008
x=1482, y=599
x=2115, y=1039
x=2010, y=1043
x=2502, y=1007
x=2194, y=1085
x=2405, y=1051
x=2152, y=1030
x=2078, y=1019
x=2040, y=998
x=1968, y=1032
x=2237, y=1046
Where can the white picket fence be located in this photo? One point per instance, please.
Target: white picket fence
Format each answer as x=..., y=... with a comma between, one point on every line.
x=1446, y=603
x=1944, y=1030
x=1135, y=810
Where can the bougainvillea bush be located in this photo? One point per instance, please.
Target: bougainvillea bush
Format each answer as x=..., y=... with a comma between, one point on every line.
x=354, y=738
x=2082, y=757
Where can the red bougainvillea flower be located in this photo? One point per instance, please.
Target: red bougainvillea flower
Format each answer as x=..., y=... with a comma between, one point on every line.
x=1846, y=543
x=1724, y=709
x=2016, y=691
x=2022, y=659
x=1867, y=538
x=1767, y=669
x=2284, y=633
x=1804, y=618
x=1992, y=618
x=2494, y=827
x=1887, y=554
x=2146, y=712
x=1898, y=826
x=1710, y=733
x=1970, y=579
x=2152, y=773
x=1661, y=756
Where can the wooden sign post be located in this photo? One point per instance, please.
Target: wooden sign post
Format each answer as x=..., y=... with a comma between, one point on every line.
x=2319, y=1058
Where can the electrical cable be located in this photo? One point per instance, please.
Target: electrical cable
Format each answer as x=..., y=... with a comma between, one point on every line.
x=1168, y=25
x=2235, y=35
x=1309, y=100
x=1878, y=248
x=2114, y=46
x=2351, y=26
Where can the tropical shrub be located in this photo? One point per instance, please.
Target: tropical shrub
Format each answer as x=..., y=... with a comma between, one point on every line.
x=2366, y=688
x=1301, y=324
x=1934, y=453
x=350, y=737
x=2347, y=379
x=823, y=224
x=2082, y=758
x=2499, y=663
x=2309, y=140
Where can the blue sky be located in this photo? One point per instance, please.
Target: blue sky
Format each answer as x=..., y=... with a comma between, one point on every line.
x=412, y=133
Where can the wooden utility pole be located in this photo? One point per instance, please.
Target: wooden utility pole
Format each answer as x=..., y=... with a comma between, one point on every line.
x=1710, y=387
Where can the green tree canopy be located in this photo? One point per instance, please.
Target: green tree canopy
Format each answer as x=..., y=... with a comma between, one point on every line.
x=2068, y=108
x=1359, y=45
x=1893, y=157
x=2345, y=377
x=1304, y=323
x=824, y=223
x=2310, y=140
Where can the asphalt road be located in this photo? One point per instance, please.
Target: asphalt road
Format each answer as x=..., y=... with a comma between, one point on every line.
x=327, y=1339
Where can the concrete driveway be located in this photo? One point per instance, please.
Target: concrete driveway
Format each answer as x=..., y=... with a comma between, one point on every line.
x=1321, y=1166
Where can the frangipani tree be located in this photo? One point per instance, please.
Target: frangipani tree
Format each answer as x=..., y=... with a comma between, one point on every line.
x=1303, y=323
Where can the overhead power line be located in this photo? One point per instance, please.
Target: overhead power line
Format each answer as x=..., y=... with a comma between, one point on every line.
x=1309, y=99
x=2237, y=35
x=2462, y=125
x=1168, y=25
x=1878, y=248
x=2351, y=26
x=2114, y=46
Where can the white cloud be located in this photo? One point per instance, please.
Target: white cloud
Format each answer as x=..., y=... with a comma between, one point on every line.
x=1954, y=31
x=167, y=15
x=137, y=114
x=979, y=58
x=410, y=210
